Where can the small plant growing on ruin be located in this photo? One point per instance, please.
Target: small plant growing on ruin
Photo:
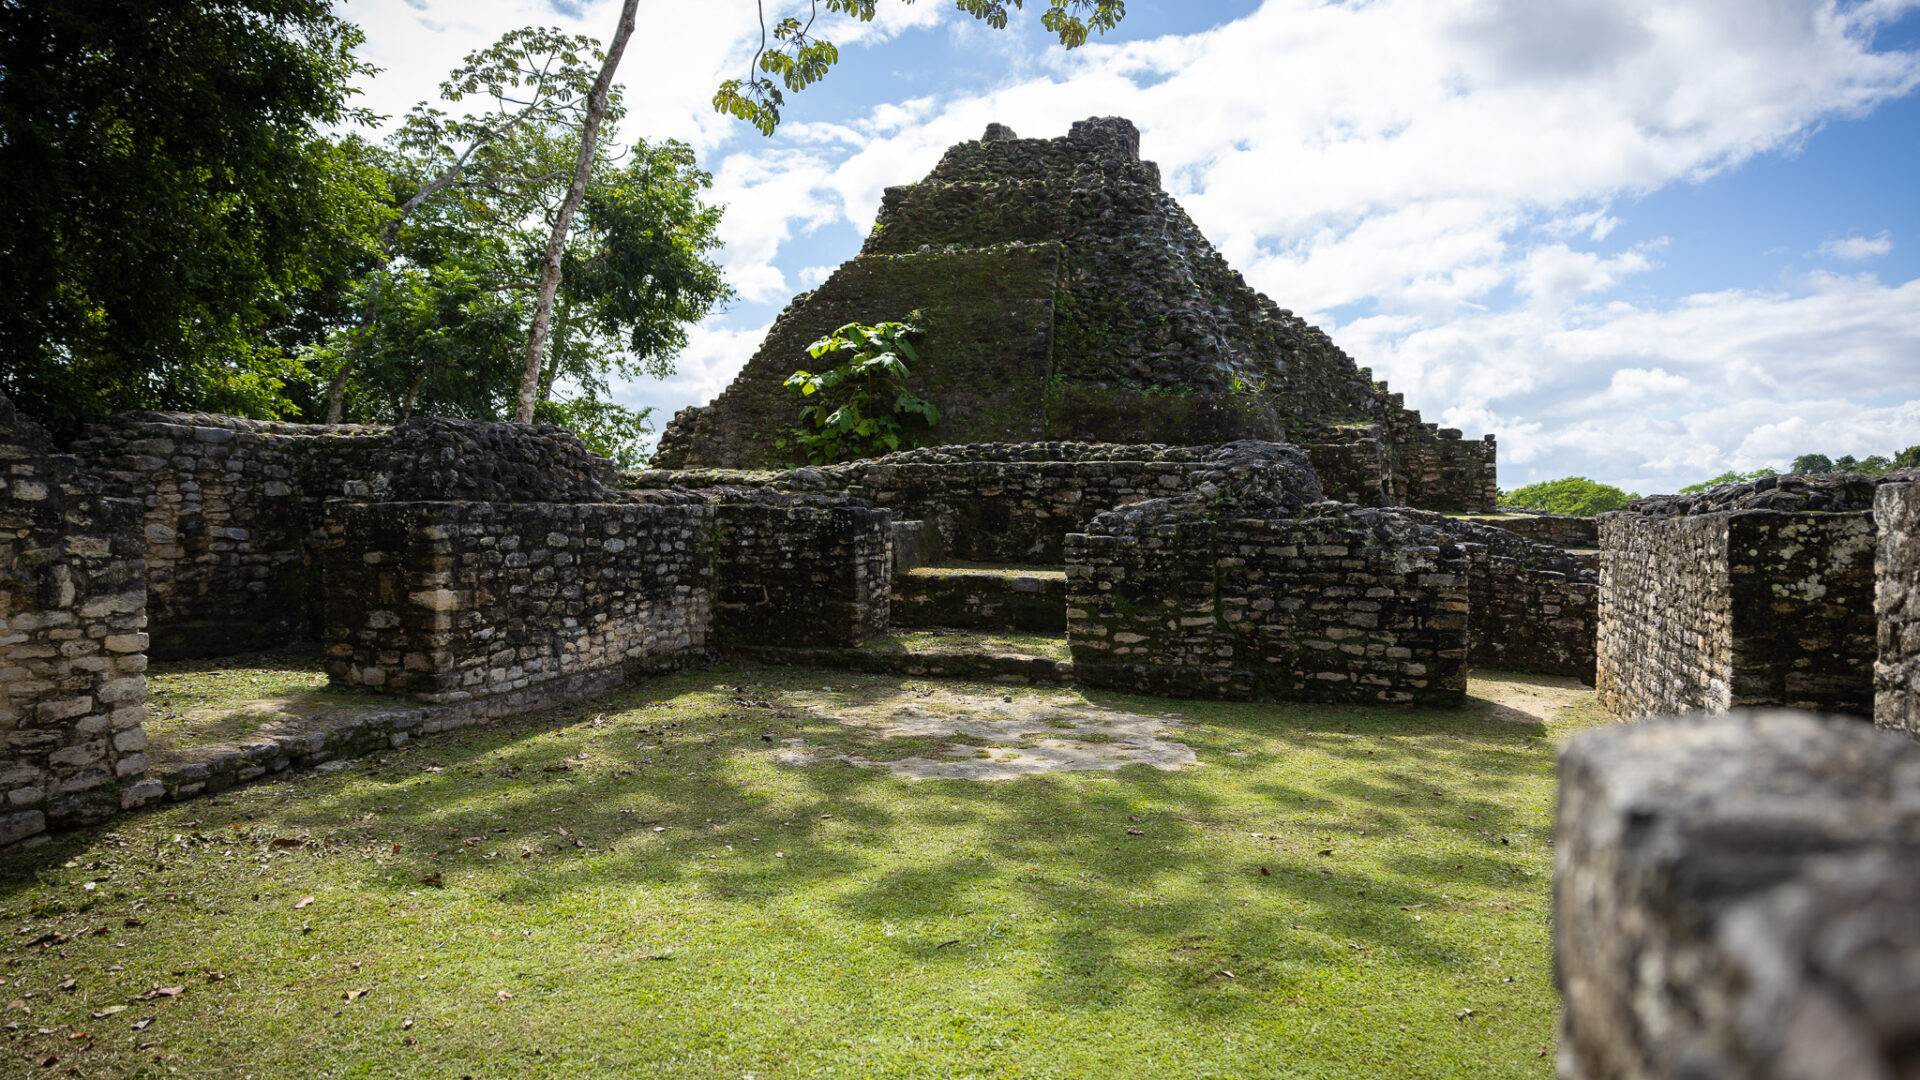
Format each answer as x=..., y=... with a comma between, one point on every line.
x=861, y=407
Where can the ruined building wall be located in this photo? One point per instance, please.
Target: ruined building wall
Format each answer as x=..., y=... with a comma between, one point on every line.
x=72, y=640
x=1560, y=530
x=1339, y=605
x=1524, y=618
x=516, y=603
x=1731, y=609
x=800, y=572
x=1896, y=672
x=230, y=506
x=1736, y=896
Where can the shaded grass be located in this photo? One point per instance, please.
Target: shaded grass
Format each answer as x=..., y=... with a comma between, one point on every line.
x=949, y=640
x=198, y=702
x=634, y=888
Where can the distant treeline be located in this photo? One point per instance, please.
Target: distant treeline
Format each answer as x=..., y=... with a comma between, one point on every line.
x=1585, y=498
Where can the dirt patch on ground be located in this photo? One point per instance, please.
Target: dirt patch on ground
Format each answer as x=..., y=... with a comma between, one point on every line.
x=999, y=736
x=1534, y=699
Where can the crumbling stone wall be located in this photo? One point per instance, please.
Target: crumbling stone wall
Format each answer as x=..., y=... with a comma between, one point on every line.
x=1736, y=609
x=72, y=639
x=519, y=603
x=1314, y=609
x=1560, y=530
x=1738, y=896
x=1524, y=618
x=1896, y=672
x=230, y=505
x=800, y=571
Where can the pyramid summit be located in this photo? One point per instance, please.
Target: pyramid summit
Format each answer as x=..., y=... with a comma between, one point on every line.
x=1066, y=297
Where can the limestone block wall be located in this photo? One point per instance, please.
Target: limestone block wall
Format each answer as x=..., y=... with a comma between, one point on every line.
x=1448, y=473
x=1896, y=671
x=801, y=572
x=519, y=601
x=72, y=639
x=1560, y=530
x=1737, y=896
x=1524, y=618
x=1742, y=608
x=1354, y=472
x=1341, y=604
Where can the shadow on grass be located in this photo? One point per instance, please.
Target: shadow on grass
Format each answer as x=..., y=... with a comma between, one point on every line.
x=1129, y=878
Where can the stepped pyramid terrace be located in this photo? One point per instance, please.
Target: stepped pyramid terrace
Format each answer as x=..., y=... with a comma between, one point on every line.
x=1067, y=298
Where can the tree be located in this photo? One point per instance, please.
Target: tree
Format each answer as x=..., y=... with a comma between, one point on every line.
x=1908, y=458
x=1571, y=495
x=1811, y=464
x=563, y=221
x=790, y=51
x=537, y=82
x=168, y=198
x=1728, y=477
x=440, y=325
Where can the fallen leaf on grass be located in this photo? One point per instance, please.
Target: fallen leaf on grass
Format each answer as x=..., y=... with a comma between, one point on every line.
x=76, y=1036
x=1135, y=832
x=1326, y=851
x=356, y=995
x=160, y=992
x=504, y=996
x=69, y=984
x=133, y=922
x=141, y=1024
x=302, y=903
x=1463, y=1014
x=111, y=1010
x=286, y=842
x=1264, y=872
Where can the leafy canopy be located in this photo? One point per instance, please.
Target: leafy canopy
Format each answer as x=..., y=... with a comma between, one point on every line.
x=440, y=325
x=1729, y=477
x=863, y=406
x=1572, y=495
x=797, y=57
x=169, y=199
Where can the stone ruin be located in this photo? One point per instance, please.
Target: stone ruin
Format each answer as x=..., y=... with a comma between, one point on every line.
x=1066, y=297
x=1735, y=893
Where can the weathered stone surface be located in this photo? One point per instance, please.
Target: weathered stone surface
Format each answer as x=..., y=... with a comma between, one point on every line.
x=228, y=521
x=1738, y=897
x=1736, y=609
x=1187, y=598
x=1896, y=671
x=1024, y=601
x=1819, y=492
x=470, y=600
x=72, y=586
x=799, y=570
x=1066, y=296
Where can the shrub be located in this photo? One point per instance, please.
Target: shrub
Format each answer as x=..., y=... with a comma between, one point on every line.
x=1572, y=495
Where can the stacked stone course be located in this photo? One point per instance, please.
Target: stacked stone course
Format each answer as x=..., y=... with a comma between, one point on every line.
x=1736, y=608
x=1896, y=670
x=72, y=640
x=800, y=572
x=523, y=601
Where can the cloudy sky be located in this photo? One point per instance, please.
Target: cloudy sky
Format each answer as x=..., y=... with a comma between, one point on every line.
x=1644, y=241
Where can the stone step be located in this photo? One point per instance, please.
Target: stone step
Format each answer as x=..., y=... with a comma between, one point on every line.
x=942, y=652
x=1024, y=599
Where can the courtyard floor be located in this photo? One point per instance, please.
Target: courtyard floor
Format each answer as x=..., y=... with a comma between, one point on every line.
x=763, y=872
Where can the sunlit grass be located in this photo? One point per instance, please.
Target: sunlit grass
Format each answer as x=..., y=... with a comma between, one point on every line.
x=635, y=888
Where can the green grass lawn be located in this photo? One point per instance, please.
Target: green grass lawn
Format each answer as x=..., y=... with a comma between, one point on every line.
x=196, y=702
x=636, y=888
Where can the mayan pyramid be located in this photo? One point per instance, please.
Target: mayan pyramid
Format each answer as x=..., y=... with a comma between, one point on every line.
x=1065, y=297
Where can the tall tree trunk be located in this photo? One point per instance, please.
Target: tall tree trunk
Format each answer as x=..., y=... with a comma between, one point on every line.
x=563, y=224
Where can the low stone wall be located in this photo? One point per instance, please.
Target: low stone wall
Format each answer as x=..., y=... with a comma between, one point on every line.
x=230, y=505
x=1560, y=530
x=72, y=640
x=806, y=572
x=1023, y=602
x=1733, y=609
x=1737, y=896
x=1341, y=604
x=1529, y=619
x=1448, y=473
x=1353, y=472
x=457, y=601
x=1896, y=672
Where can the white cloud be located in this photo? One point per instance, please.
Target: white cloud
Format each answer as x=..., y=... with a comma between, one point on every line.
x=1858, y=248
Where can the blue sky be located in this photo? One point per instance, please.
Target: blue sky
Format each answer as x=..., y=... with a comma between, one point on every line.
x=1640, y=240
